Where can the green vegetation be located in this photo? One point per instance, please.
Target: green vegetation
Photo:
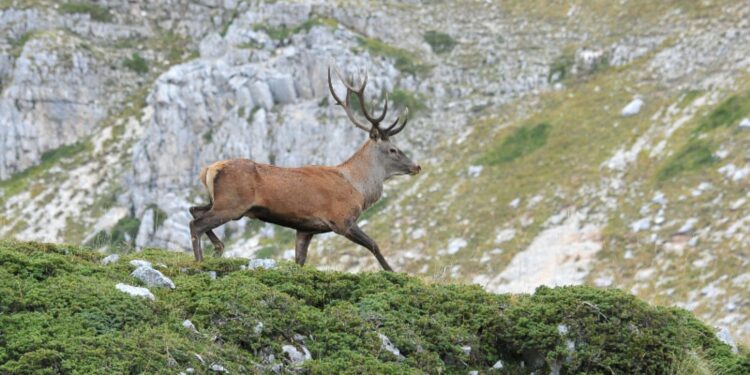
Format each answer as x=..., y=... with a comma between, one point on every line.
x=693, y=156
x=728, y=113
x=407, y=99
x=60, y=313
x=18, y=44
x=404, y=60
x=560, y=68
x=20, y=181
x=523, y=141
x=439, y=42
x=95, y=11
x=121, y=238
x=136, y=63
x=283, y=32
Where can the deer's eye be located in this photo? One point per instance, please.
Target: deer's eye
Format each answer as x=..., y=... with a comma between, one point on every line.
x=393, y=151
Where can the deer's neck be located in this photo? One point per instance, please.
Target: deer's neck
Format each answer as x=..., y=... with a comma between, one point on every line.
x=365, y=173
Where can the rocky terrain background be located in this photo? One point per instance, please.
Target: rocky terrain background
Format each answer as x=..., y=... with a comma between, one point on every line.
x=567, y=143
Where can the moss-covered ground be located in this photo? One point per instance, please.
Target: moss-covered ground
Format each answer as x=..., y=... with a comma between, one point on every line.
x=61, y=314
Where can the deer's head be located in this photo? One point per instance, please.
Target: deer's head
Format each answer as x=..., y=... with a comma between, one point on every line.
x=382, y=150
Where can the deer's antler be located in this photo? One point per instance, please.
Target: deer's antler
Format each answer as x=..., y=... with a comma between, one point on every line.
x=376, y=132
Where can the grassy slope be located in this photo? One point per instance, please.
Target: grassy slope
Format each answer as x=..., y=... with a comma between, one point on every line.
x=586, y=129
x=60, y=313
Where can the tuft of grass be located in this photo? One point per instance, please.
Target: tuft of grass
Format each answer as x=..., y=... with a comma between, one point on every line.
x=523, y=141
x=404, y=60
x=439, y=42
x=695, y=155
x=95, y=11
x=728, y=113
x=561, y=66
x=136, y=63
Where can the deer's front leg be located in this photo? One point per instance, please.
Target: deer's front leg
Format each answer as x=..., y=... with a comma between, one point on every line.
x=300, y=248
x=355, y=234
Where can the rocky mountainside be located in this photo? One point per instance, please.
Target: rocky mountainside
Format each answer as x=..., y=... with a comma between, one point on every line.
x=582, y=142
x=64, y=309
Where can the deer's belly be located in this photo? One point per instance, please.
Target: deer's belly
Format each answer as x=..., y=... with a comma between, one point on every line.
x=302, y=223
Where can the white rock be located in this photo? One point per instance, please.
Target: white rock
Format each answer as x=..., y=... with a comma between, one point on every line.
x=295, y=356
x=466, y=349
x=388, y=346
x=212, y=275
x=734, y=206
x=475, y=170
x=473, y=372
x=633, y=108
x=514, y=203
x=140, y=263
x=112, y=258
x=505, y=235
x=135, y=291
x=152, y=277
x=640, y=225
x=456, y=244
x=562, y=329
x=215, y=367
x=688, y=226
x=189, y=326
x=725, y=336
x=261, y=263
x=418, y=233
x=258, y=328
x=745, y=123
x=498, y=365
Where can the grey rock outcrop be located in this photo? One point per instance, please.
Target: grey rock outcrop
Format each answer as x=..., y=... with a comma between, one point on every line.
x=152, y=277
x=135, y=291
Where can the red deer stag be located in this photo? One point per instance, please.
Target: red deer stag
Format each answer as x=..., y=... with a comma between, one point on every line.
x=311, y=199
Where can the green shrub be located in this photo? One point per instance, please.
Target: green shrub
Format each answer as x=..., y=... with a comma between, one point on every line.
x=283, y=32
x=695, y=155
x=728, y=113
x=60, y=313
x=404, y=61
x=439, y=42
x=560, y=68
x=96, y=12
x=136, y=63
x=521, y=142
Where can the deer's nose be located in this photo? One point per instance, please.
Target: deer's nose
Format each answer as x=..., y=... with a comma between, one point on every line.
x=416, y=169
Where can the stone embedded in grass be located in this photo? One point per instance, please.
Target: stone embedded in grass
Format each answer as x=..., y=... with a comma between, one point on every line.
x=112, y=258
x=725, y=336
x=455, y=244
x=135, y=291
x=152, y=277
x=475, y=170
x=295, y=356
x=633, y=108
x=139, y=262
x=261, y=263
x=745, y=123
x=189, y=326
x=215, y=367
x=388, y=346
x=466, y=349
x=498, y=365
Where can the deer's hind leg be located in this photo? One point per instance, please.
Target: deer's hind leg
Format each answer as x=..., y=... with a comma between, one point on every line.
x=198, y=211
x=209, y=220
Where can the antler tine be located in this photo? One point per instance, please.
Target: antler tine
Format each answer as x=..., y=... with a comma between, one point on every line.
x=345, y=103
x=360, y=92
x=373, y=120
x=395, y=131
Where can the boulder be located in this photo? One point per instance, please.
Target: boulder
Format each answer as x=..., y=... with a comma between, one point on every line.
x=152, y=277
x=135, y=291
